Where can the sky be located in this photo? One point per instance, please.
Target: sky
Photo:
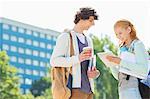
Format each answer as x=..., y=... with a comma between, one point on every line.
x=59, y=15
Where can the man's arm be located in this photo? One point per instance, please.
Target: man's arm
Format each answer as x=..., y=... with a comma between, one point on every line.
x=59, y=58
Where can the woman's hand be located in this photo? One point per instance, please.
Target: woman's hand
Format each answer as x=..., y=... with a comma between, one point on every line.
x=93, y=73
x=113, y=59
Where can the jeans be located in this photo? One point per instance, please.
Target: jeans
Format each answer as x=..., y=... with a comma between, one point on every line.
x=128, y=89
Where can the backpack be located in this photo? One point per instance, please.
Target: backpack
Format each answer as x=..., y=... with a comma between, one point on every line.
x=62, y=79
x=144, y=88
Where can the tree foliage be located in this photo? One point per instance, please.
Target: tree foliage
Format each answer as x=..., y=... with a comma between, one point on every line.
x=39, y=86
x=9, y=81
x=105, y=85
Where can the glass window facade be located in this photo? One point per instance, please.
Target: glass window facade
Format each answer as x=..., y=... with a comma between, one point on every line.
x=29, y=50
x=13, y=59
x=35, y=43
x=6, y=47
x=21, y=40
x=21, y=50
x=29, y=32
x=28, y=61
x=42, y=45
x=21, y=60
x=28, y=42
x=5, y=36
x=14, y=28
x=13, y=38
x=13, y=48
x=21, y=30
x=35, y=53
x=6, y=26
x=35, y=34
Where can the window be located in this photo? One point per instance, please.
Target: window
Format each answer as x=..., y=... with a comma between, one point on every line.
x=5, y=36
x=54, y=38
x=49, y=37
x=35, y=34
x=21, y=60
x=21, y=30
x=28, y=71
x=42, y=54
x=13, y=48
x=21, y=50
x=42, y=45
x=42, y=35
x=21, y=40
x=13, y=59
x=35, y=43
x=21, y=70
x=5, y=47
x=27, y=91
x=35, y=72
x=5, y=26
x=13, y=38
x=28, y=61
x=48, y=55
x=28, y=81
x=49, y=46
x=35, y=53
x=22, y=91
x=28, y=51
x=42, y=73
x=35, y=62
x=42, y=64
x=29, y=42
x=14, y=28
x=21, y=80
x=29, y=32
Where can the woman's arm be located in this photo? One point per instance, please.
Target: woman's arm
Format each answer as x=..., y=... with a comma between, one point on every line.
x=141, y=58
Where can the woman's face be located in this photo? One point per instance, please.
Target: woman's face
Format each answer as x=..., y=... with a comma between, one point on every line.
x=122, y=33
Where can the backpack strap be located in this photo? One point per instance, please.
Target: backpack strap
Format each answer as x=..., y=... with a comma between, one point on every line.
x=68, y=70
x=71, y=50
x=128, y=76
x=131, y=47
x=71, y=46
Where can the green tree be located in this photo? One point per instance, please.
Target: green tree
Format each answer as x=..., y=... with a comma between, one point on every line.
x=106, y=85
x=9, y=81
x=39, y=86
x=48, y=94
x=27, y=96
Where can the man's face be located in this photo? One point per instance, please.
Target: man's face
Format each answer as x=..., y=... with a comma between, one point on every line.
x=86, y=24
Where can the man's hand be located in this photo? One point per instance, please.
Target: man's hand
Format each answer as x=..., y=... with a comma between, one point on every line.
x=93, y=73
x=85, y=55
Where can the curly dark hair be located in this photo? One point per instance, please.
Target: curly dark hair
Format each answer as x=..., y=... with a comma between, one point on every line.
x=84, y=14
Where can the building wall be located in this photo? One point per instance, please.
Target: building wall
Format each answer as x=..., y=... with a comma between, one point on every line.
x=29, y=49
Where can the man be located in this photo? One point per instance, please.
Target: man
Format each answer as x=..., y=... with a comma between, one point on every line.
x=82, y=84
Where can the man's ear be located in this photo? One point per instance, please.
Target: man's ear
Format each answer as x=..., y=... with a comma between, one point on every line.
x=129, y=29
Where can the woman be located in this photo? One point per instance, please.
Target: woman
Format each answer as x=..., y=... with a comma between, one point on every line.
x=137, y=68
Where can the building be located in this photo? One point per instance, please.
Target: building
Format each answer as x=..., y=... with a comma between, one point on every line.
x=29, y=49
